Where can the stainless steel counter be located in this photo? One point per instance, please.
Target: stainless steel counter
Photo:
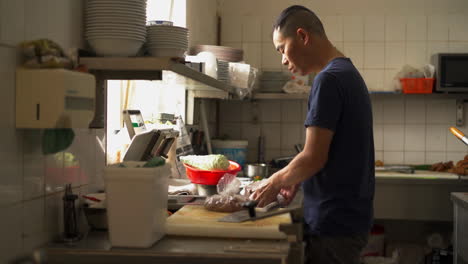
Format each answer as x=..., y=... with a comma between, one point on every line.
x=95, y=248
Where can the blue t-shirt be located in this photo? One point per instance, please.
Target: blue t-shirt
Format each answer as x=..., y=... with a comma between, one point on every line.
x=338, y=200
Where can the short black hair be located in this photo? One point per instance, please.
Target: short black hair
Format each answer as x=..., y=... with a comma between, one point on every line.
x=298, y=16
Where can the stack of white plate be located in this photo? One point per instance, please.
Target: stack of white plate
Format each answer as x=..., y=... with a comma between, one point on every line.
x=115, y=27
x=223, y=71
x=167, y=41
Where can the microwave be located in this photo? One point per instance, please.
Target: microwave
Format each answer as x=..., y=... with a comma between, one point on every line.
x=452, y=72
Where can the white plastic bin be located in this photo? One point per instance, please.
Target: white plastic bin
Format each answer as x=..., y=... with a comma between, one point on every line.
x=136, y=204
x=235, y=150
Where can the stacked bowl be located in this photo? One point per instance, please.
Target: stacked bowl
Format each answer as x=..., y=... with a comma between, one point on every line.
x=115, y=27
x=221, y=52
x=223, y=71
x=165, y=40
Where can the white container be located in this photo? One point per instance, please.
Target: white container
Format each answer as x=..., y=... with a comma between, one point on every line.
x=235, y=150
x=136, y=205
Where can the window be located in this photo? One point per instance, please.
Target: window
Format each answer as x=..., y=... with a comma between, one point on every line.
x=150, y=97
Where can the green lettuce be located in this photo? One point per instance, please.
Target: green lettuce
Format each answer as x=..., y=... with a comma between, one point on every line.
x=207, y=162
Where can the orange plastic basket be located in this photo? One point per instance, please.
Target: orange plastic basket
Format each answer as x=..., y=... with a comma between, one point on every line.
x=417, y=85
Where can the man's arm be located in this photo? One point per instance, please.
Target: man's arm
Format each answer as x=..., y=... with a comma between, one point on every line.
x=306, y=164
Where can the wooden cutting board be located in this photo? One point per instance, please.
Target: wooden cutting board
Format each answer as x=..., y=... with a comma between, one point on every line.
x=195, y=220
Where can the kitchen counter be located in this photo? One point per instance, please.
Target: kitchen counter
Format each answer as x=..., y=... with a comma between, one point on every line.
x=420, y=177
x=95, y=248
x=423, y=195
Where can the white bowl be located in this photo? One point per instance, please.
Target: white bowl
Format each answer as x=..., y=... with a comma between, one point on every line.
x=103, y=10
x=118, y=17
x=115, y=31
x=162, y=38
x=163, y=41
x=116, y=25
x=114, y=37
x=109, y=24
x=114, y=11
x=112, y=4
x=184, y=47
x=120, y=35
x=114, y=16
x=115, y=46
x=129, y=7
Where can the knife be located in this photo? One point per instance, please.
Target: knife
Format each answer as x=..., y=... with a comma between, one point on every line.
x=459, y=135
x=252, y=215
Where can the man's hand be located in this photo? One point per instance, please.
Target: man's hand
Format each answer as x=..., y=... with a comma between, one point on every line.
x=266, y=193
x=289, y=193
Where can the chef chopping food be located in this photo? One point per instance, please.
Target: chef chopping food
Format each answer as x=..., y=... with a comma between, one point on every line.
x=336, y=167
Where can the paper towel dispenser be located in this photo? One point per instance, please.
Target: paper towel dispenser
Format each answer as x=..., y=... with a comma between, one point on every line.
x=54, y=98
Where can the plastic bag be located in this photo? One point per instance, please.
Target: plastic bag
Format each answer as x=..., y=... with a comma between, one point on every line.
x=297, y=84
x=44, y=53
x=227, y=200
x=243, y=77
x=251, y=188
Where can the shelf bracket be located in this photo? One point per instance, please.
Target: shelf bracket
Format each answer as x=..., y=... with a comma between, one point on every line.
x=460, y=106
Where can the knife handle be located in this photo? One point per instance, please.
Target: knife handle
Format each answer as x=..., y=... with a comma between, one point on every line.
x=459, y=135
x=250, y=205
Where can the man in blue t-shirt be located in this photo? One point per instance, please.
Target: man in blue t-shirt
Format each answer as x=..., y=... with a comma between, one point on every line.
x=336, y=167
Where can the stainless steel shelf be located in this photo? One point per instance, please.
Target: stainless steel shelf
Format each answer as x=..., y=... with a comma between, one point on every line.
x=148, y=68
x=279, y=96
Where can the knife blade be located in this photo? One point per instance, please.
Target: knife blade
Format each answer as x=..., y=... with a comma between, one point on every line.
x=243, y=215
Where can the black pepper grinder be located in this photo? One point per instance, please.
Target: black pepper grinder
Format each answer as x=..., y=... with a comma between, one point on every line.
x=70, y=232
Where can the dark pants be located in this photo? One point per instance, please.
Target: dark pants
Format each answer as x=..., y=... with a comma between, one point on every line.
x=334, y=250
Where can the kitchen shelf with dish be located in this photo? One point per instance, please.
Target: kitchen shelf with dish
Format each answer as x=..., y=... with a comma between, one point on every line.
x=199, y=85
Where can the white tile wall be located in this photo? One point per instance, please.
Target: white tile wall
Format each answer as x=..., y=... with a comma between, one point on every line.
x=353, y=28
x=374, y=28
x=253, y=54
x=291, y=112
x=251, y=29
x=333, y=27
x=12, y=21
x=355, y=51
x=395, y=54
x=271, y=59
x=395, y=28
x=438, y=27
x=29, y=203
x=408, y=129
x=393, y=110
x=374, y=55
x=272, y=134
x=394, y=139
x=415, y=157
x=416, y=28
x=457, y=27
x=415, y=138
x=436, y=138
x=11, y=241
x=290, y=135
x=270, y=111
